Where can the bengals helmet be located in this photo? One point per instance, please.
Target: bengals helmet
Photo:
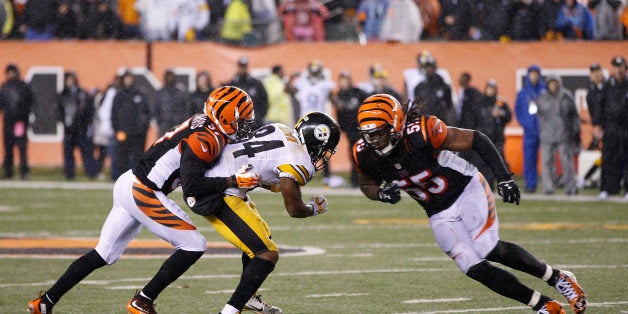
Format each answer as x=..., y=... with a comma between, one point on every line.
x=381, y=120
x=231, y=110
x=320, y=134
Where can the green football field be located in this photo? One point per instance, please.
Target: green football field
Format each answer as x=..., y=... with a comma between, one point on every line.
x=359, y=257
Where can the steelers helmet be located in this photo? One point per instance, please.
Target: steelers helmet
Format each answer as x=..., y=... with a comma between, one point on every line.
x=381, y=113
x=320, y=134
x=231, y=110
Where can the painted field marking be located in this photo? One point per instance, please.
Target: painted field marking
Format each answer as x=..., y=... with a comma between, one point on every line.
x=512, y=308
x=336, y=295
x=415, y=301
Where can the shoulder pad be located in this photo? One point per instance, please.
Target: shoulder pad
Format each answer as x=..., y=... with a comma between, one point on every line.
x=206, y=145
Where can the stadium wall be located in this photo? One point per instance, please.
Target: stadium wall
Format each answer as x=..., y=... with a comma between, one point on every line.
x=96, y=62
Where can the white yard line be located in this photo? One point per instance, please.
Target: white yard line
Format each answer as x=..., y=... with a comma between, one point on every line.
x=415, y=301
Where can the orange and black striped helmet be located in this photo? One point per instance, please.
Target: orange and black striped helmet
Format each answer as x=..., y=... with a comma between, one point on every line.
x=231, y=109
x=382, y=111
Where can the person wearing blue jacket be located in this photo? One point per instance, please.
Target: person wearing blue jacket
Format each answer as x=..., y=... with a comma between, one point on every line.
x=525, y=111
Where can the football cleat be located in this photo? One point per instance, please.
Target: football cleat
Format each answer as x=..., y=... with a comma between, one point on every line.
x=256, y=305
x=568, y=286
x=140, y=305
x=551, y=307
x=37, y=306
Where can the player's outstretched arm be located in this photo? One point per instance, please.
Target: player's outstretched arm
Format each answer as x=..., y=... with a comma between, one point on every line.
x=291, y=192
x=369, y=186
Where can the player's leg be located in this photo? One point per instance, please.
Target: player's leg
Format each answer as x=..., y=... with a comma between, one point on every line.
x=239, y=223
x=117, y=231
x=467, y=231
x=167, y=220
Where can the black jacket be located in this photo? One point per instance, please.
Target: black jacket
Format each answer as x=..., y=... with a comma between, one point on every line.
x=130, y=112
x=16, y=100
x=75, y=110
x=614, y=107
x=437, y=96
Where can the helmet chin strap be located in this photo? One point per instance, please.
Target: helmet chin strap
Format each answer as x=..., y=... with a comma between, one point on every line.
x=386, y=150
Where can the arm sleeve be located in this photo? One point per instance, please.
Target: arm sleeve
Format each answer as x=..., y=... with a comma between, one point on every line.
x=193, y=180
x=485, y=148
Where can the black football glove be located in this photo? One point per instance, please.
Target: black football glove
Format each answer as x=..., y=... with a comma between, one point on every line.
x=389, y=193
x=509, y=191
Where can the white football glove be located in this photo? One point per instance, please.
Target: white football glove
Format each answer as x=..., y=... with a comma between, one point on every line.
x=318, y=204
x=245, y=179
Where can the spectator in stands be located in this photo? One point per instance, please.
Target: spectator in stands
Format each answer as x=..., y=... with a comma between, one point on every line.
x=40, y=19
x=171, y=103
x=614, y=122
x=67, y=26
x=434, y=94
x=104, y=140
x=607, y=21
x=468, y=97
x=313, y=91
x=594, y=99
x=343, y=24
x=488, y=114
x=266, y=20
x=547, y=19
x=455, y=19
x=130, y=118
x=130, y=19
x=574, y=21
x=204, y=86
x=371, y=15
x=155, y=16
x=75, y=109
x=189, y=19
x=279, y=102
x=523, y=20
x=402, y=22
x=253, y=87
x=559, y=125
x=490, y=20
x=236, y=23
x=378, y=82
x=16, y=100
x=101, y=22
x=525, y=111
x=430, y=11
x=7, y=19
x=303, y=20
x=347, y=101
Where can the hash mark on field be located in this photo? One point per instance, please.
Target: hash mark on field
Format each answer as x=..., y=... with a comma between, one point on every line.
x=435, y=300
x=351, y=255
x=335, y=295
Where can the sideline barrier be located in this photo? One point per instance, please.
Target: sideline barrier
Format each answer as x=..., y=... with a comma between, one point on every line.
x=96, y=62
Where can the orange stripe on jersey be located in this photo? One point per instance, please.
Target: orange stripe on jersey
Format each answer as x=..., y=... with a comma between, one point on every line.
x=151, y=206
x=490, y=198
x=206, y=145
x=436, y=131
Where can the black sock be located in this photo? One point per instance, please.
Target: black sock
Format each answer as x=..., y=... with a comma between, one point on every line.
x=77, y=271
x=516, y=257
x=245, y=260
x=555, y=274
x=500, y=281
x=252, y=278
x=542, y=301
x=170, y=270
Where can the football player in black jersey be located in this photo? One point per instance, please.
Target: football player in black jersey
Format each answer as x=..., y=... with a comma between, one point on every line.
x=140, y=198
x=401, y=149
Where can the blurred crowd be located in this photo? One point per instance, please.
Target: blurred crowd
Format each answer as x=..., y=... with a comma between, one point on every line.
x=258, y=22
x=114, y=122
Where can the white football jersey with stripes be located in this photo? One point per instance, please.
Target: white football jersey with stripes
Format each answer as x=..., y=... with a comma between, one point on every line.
x=274, y=151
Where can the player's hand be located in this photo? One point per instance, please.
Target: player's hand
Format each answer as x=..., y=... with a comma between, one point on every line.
x=389, y=193
x=318, y=204
x=509, y=191
x=245, y=179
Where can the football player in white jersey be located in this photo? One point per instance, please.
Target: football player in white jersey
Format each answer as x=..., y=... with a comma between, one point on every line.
x=140, y=198
x=284, y=160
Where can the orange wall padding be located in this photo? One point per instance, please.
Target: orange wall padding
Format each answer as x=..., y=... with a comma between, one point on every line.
x=96, y=62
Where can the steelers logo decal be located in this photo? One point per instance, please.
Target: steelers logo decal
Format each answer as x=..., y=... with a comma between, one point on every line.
x=321, y=132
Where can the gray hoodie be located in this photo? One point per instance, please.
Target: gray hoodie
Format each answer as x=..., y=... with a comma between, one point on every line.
x=558, y=116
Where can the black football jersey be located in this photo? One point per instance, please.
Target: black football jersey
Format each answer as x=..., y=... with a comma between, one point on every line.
x=433, y=177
